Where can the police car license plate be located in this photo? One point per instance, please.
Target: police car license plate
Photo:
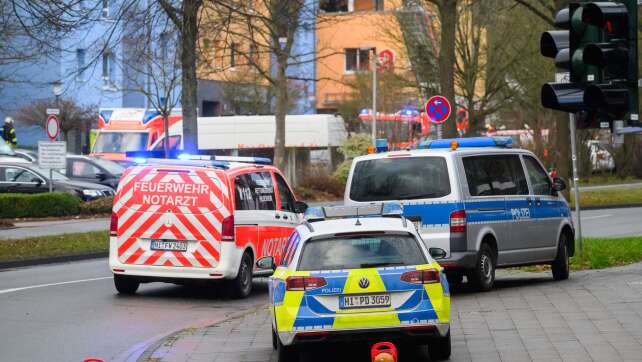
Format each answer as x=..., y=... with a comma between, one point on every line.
x=169, y=245
x=365, y=301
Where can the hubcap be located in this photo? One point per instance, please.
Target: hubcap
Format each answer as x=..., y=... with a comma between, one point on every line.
x=244, y=276
x=486, y=267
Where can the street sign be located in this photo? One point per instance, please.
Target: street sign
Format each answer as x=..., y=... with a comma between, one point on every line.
x=386, y=60
x=52, y=155
x=54, y=111
x=438, y=109
x=52, y=127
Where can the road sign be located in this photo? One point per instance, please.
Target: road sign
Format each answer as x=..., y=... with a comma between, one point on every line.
x=386, y=60
x=53, y=127
x=438, y=109
x=54, y=111
x=52, y=154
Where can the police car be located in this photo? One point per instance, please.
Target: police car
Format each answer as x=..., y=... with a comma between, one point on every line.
x=357, y=274
x=485, y=204
x=199, y=218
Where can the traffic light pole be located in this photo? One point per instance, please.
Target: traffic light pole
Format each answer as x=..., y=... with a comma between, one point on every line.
x=576, y=183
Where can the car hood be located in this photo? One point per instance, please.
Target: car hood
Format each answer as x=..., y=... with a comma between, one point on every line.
x=82, y=185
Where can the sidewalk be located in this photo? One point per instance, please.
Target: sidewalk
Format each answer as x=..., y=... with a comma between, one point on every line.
x=28, y=229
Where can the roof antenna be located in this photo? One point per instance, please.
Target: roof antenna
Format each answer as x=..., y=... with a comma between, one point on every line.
x=358, y=223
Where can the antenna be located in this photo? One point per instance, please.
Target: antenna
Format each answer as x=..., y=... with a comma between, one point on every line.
x=358, y=223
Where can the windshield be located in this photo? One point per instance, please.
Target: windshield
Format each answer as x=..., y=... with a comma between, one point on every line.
x=5, y=149
x=400, y=179
x=363, y=251
x=111, y=166
x=120, y=142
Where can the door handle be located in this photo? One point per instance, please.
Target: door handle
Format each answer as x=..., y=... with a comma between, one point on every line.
x=277, y=216
x=285, y=217
x=538, y=201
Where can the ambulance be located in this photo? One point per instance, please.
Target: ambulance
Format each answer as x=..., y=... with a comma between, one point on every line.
x=203, y=219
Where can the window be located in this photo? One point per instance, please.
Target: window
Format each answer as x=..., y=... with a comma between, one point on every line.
x=357, y=59
x=364, y=251
x=254, y=54
x=254, y=191
x=405, y=178
x=108, y=64
x=105, y=12
x=495, y=175
x=80, y=64
x=233, y=55
x=540, y=182
x=290, y=249
x=333, y=6
x=378, y=5
x=83, y=169
x=19, y=175
x=285, y=195
x=164, y=45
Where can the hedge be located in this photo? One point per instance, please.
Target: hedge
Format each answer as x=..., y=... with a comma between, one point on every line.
x=38, y=205
x=98, y=206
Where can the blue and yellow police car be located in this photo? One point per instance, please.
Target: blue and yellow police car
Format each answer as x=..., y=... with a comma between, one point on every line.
x=358, y=273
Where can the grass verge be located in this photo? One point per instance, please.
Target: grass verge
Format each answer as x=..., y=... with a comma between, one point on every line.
x=600, y=253
x=615, y=197
x=46, y=246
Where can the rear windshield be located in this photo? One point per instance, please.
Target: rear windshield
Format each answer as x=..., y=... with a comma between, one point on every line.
x=366, y=251
x=400, y=179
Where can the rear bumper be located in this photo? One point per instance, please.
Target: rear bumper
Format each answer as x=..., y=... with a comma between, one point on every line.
x=459, y=260
x=418, y=333
x=227, y=268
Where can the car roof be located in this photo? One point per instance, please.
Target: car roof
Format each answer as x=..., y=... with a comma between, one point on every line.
x=443, y=152
x=349, y=225
x=14, y=160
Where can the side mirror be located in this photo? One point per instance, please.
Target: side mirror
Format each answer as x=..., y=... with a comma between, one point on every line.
x=559, y=184
x=300, y=207
x=266, y=262
x=437, y=253
x=101, y=176
x=37, y=181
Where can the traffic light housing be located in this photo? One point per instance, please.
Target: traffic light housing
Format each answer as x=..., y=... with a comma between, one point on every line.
x=598, y=47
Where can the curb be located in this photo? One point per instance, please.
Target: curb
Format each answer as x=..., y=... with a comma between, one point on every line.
x=146, y=355
x=52, y=260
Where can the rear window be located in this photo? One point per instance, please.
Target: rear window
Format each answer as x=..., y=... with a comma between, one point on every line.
x=365, y=251
x=400, y=179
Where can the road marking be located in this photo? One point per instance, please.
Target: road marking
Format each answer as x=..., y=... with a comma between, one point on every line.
x=5, y=291
x=596, y=217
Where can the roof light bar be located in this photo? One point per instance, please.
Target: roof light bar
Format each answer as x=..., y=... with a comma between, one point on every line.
x=387, y=209
x=468, y=142
x=156, y=157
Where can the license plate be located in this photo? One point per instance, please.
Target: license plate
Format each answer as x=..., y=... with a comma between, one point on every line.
x=169, y=245
x=364, y=301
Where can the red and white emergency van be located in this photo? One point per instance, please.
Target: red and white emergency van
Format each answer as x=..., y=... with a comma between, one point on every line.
x=176, y=221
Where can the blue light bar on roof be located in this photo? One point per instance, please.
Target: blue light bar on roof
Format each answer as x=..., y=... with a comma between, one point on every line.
x=381, y=144
x=468, y=142
x=386, y=209
x=158, y=156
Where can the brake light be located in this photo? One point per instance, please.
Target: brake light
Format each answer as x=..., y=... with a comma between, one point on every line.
x=227, y=229
x=113, y=225
x=427, y=276
x=304, y=283
x=458, y=221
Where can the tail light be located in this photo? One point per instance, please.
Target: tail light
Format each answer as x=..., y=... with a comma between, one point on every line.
x=427, y=276
x=113, y=225
x=227, y=229
x=304, y=283
x=458, y=221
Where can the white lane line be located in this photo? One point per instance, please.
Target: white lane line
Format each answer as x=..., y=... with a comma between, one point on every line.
x=5, y=291
x=596, y=217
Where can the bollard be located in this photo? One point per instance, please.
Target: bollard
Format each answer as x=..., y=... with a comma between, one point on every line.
x=383, y=352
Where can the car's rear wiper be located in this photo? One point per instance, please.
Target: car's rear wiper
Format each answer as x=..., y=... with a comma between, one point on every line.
x=376, y=265
x=416, y=196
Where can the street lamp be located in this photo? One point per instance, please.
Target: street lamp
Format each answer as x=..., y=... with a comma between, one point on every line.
x=56, y=89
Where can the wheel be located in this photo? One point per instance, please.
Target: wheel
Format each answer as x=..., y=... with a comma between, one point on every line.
x=274, y=341
x=286, y=353
x=454, y=277
x=125, y=285
x=439, y=349
x=483, y=276
x=560, y=265
x=241, y=286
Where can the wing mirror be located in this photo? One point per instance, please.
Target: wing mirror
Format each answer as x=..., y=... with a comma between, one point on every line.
x=300, y=207
x=266, y=262
x=37, y=181
x=101, y=176
x=559, y=184
x=437, y=253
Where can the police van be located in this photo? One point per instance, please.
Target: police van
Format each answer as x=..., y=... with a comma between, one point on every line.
x=199, y=218
x=477, y=203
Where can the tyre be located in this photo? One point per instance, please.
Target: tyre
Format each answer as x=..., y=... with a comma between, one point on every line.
x=274, y=340
x=286, y=353
x=125, y=285
x=560, y=266
x=241, y=286
x=483, y=276
x=454, y=277
x=439, y=349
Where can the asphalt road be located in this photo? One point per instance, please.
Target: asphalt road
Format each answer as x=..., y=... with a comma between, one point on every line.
x=69, y=312
x=612, y=222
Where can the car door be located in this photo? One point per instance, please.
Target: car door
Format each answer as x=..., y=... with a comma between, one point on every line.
x=545, y=208
x=286, y=205
x=22, y=180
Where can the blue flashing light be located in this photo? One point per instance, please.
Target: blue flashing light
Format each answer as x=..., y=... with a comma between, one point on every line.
x=140, y=160
x=314, y=214
x=381, y=144
x=468, y=142
x=385, y=209
x=392, y=209
x=184, y=156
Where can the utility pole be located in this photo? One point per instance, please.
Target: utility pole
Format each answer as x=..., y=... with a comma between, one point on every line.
x=374, y=97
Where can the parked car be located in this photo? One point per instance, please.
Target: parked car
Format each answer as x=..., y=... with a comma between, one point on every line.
x=29, y=155
x=29, y=178
x=94, y=169
x=8, y=155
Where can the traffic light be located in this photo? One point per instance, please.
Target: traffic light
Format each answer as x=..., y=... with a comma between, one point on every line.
x=600, y=52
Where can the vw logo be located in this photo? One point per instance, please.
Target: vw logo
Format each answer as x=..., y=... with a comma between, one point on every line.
x=364, y=283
